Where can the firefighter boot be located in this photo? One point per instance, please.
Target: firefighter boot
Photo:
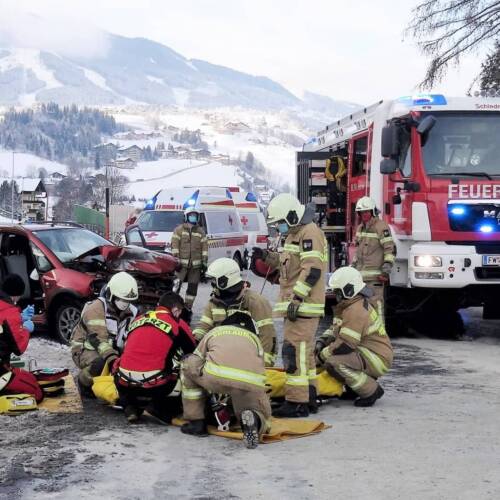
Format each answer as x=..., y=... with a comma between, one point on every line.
x=370, y=400
x=348, y=394
x=250, y=424
x=132, y=414
x=195, y=428
x=292, y=410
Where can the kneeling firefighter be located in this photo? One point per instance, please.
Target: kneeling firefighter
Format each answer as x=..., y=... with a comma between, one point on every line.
x=302, y=268
x=356, y=350
x=15, y=329
x=230, y=295
x=228, y=360
x=100, y=333
x=145, y=372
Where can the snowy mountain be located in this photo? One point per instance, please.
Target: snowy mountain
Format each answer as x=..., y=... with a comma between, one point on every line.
x=137, y=70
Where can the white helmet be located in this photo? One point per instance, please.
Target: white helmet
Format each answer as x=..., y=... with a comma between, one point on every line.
x=191, y=210
x=285, y=207
x=225, y=272
x=365, y=203
x=123, y=286
x=348, y=280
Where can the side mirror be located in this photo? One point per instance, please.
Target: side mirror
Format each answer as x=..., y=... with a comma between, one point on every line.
x=390, y=141
x=424, y=127
x=388, y=166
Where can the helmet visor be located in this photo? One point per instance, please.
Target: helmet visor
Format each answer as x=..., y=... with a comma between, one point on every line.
x=220, y=283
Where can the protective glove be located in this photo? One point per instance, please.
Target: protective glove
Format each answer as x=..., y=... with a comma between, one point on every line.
x=29, y=325
x=293, y=309
x=324, y=354
x=110, y=360
x=318, y=347
x=28, y=313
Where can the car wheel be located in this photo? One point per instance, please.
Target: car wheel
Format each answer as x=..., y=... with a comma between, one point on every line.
x=67, y=316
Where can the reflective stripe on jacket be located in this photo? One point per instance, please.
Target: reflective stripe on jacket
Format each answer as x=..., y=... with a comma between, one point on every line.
x=190, y=245
x=303, y=264
x=260, y=310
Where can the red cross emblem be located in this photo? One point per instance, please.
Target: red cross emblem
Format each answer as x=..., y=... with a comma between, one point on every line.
x=150, y=235
x=244, y=220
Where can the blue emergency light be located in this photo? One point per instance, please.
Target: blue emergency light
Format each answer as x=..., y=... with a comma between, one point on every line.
x=457, y=211
x=423, y=99
x=251, y=197
x=191, y=202
x=486, y=228
x=150, y=204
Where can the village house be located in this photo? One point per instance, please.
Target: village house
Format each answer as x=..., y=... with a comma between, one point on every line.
x=133, y=152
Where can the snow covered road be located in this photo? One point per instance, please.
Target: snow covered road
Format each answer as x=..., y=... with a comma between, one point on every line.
x=434, y=435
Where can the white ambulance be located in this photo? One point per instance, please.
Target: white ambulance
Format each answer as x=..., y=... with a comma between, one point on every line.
x=252, y=219
x=218, y=216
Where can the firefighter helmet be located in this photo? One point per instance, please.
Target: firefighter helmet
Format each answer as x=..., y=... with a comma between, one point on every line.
x=285, y=207
x=224, y=272
x=191, y=210
x=123, y=286
x=366, y=203
x=348, y=280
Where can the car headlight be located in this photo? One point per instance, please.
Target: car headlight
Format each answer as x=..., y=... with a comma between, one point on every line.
x=428, y=261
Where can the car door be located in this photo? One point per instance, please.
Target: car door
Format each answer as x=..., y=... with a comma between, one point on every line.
x=134, y=236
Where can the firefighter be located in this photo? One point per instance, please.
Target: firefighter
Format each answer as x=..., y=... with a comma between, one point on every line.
x=302, y=266
x=230, y=294
x=100, y=333
x=375, y=251
x=356, y=349
x=15, y=329
x=228, y=360
x=190, y=246
x=145, y=372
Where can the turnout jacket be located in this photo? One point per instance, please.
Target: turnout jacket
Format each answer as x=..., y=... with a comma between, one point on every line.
x=190, y=245
x=302, y=265
x=216, y=311
x=233, y=355
x=154, y=340
x=101, y=328
x=358, y=327
x=374, y=246
x=14, y=337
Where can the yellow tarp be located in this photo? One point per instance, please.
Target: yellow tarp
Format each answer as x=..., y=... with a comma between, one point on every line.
x=68, y=402
x=282, y=429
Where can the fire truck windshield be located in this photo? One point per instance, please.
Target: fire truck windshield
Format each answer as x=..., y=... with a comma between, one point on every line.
x=463, y=143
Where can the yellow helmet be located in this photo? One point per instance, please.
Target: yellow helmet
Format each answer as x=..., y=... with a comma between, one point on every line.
x=365, y=203
x=348, y=280
x=225, y=272
x=285, y=207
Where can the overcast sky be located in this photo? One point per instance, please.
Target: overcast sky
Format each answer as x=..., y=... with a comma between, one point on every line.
x=348, y=50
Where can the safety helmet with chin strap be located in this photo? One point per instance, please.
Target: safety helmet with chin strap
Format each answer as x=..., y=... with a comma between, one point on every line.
x=191, y=210
x=366, y=203
x=225, y=273
x=348, y=281
x=123, y=286
x=285, y=207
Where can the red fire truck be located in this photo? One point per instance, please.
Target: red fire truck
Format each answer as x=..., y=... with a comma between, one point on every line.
x=432, y=164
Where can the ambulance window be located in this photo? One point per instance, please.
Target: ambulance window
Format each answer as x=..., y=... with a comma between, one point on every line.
x=222, y=222
x=250, y=222
x=359, y=160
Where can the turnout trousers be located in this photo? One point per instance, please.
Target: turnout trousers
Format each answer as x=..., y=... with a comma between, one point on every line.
x=377, y=299
x=90, y=364
x=298, y=358
x=192, y=276
x=197, y=386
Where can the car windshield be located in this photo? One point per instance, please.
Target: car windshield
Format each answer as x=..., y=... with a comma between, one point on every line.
x=160, y=220
x=463, y=144
x=69, y=243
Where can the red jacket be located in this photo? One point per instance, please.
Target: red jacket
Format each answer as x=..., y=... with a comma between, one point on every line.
x=14, y=337
x=150, y=348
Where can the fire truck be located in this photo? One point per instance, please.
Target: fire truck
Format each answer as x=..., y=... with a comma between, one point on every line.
x=432, y=164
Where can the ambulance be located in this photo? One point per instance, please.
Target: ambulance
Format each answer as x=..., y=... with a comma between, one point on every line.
x=218, y=217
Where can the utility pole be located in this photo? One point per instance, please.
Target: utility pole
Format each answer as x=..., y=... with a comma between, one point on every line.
x=106, y=219
x=12, y=189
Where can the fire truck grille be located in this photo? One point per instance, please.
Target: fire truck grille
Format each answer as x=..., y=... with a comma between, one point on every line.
x=487, y=273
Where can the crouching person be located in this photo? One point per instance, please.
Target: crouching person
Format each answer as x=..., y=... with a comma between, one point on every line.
x=145, y=373
x=356, y=350
x=228, y=360
x=99, y=335
x=15, y=329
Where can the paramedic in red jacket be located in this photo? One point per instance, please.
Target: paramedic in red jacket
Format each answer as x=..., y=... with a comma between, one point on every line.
x=145, y=373
x=15, y=329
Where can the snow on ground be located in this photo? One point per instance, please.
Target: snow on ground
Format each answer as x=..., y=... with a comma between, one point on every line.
x=27, y=165
x=150, y=177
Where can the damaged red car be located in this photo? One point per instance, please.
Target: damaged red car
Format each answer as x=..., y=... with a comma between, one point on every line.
x=65, y=265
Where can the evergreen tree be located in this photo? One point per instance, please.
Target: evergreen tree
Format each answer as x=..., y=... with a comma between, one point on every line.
x=489, y=78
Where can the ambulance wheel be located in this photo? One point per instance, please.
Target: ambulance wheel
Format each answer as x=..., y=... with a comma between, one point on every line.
x=65, y=319
x=237, y=258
